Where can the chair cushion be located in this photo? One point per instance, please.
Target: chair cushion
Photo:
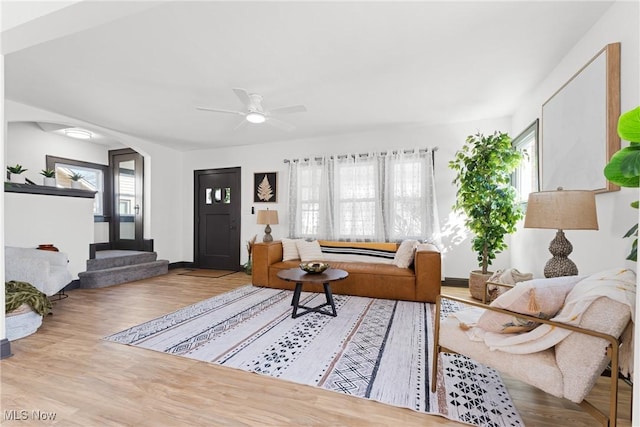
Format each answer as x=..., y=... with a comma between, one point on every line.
x=582, y=358
x=546, y=375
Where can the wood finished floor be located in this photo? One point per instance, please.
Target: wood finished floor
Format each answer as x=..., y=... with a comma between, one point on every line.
x=67, y=369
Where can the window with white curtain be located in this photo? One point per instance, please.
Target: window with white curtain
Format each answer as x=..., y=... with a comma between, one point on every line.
x=371, y=197
x=309, y=200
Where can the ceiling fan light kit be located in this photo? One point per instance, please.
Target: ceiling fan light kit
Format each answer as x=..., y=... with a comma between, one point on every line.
x=254, y=113
x=255, y=117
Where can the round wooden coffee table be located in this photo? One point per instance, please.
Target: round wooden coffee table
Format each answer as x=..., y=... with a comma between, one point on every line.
x=300, y=278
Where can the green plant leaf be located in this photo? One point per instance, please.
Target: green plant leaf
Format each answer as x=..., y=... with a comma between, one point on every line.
x=633, y=231
x=629, y=125
x=624, y=167
x=17, y=169
x=633, y=255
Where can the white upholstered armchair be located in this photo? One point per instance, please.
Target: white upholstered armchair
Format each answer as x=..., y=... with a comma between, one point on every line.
x=48, y=271
x=569, y=368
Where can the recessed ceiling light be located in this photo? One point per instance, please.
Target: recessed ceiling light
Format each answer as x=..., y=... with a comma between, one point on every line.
x=255, y=117
x=78, y=133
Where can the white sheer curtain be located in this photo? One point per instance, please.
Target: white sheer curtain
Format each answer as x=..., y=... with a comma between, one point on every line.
x=364, y=197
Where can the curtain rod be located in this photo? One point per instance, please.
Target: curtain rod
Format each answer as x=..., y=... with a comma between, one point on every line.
x=344, y=156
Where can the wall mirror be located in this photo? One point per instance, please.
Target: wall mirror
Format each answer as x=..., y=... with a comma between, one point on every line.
x=579, y=126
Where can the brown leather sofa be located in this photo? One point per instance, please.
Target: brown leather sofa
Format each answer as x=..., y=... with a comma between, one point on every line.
x=420, y=282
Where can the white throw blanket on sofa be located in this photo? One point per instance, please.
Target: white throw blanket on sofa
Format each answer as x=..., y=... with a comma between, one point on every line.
x=618, y=285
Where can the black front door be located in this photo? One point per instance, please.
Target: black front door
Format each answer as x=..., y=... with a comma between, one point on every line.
x=217, y=218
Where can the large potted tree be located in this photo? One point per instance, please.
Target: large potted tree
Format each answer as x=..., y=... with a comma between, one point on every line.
x=486, y=197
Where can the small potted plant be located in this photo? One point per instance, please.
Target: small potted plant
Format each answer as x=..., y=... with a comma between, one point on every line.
x=75, y=180
x=248, y=266
x=49, y=177
x=15, y=174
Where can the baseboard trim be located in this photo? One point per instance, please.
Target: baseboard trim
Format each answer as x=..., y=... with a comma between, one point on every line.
x=5, y=348
x=457, y=282
x=181, y=264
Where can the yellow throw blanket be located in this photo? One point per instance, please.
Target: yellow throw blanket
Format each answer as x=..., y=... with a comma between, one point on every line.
x=17, y=293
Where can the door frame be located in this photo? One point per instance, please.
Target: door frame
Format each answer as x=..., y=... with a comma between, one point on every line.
x=114, y=228
x=196, y=214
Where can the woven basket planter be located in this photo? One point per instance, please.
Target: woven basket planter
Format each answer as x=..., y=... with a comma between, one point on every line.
x=476, y=283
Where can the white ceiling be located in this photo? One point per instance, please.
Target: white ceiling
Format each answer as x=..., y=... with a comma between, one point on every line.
x=356, y=66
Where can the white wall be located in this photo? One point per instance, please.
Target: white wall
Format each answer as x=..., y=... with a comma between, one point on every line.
x=605, y=248
x=28, y=145
x=459, y=259
x=163, y=187
x=65, y=222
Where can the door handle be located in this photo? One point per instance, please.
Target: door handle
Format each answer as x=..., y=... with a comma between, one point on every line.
x=137, y=209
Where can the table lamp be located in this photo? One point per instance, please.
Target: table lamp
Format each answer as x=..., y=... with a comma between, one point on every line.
x=267, y=217
x=562, y=210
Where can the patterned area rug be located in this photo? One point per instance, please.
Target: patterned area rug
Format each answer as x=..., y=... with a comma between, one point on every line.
x=376, y=349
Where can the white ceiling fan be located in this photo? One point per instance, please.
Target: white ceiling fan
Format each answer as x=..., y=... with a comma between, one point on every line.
x=254, y=113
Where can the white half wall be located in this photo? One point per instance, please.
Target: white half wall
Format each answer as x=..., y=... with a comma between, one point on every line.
x=65, y=222
x=592, y=250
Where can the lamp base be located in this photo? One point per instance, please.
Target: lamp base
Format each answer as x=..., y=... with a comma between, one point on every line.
x=267, y=235
x=560, y=265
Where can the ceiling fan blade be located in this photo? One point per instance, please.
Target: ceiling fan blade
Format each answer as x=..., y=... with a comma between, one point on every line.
x=243, y=95
x=219, y=110
x=288, y=110
x=280, y=124
x=243, y=124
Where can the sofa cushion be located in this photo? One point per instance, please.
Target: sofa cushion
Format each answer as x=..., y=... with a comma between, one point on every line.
x=309, y=251
x=368, y=251
x=406, y=252
x=290, y=249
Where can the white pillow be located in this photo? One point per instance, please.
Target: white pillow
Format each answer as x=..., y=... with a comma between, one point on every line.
x=290, y=249
x=537, y=297
x=405, y=253
x=309, y=251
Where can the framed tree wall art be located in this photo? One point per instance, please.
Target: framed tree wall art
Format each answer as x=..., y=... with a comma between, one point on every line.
x=265, y=187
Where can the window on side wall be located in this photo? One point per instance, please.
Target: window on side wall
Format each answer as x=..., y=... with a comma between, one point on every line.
x=94, y=178
x=525, y=178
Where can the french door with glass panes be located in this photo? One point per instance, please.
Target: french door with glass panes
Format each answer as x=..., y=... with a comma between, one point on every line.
x=127, y=222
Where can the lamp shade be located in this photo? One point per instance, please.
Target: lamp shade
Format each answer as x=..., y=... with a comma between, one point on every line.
x=267, y=217
x=562, y=210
